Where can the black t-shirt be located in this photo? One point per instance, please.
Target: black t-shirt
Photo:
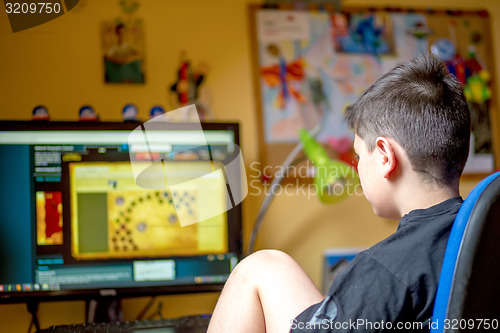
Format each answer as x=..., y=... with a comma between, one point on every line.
x=392, y=284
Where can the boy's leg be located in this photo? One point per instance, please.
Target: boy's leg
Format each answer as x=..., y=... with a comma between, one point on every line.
x=263, y=294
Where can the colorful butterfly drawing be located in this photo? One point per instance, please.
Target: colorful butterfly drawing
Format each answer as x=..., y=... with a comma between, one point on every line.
x=282, y=76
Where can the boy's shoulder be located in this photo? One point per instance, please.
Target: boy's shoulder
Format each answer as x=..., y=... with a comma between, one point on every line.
x=418, y=245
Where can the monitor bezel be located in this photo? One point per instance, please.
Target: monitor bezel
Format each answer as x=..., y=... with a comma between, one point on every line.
x=235, y=241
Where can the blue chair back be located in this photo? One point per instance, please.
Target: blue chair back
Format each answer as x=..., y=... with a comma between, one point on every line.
x=469, y=286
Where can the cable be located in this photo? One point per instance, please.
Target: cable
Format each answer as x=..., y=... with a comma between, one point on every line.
x=31, y=325
x=146, y=308
x=291, y=158
x=158, y=312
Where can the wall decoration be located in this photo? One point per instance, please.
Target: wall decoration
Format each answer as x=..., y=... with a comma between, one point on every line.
x=310, y=64
x=188, y=87
x=123, y=46
x=362, y=33
x=188, y=82
x=467, y=35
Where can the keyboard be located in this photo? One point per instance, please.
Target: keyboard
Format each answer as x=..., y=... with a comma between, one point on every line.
x=185, y=324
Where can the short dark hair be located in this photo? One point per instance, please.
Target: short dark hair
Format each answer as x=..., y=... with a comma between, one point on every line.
x=422, y=107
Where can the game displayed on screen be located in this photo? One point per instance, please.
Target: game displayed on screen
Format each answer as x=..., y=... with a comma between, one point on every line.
x=112, y=217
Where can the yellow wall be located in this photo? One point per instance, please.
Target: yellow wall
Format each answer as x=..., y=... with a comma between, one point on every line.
x=58, y=64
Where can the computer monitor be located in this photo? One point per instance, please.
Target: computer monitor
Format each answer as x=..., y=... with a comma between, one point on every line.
x=87, y=212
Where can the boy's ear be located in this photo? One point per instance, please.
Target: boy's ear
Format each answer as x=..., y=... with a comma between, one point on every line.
x=388, y=159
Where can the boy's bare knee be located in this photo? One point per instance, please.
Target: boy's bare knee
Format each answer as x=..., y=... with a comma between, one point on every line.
x=255, y=269
x=270, y=255
x=265, y=257
x=265, y=263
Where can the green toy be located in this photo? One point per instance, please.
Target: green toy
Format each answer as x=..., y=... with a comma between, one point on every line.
x=476, y=89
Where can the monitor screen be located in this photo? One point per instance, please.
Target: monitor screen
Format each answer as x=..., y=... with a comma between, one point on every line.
x=91, y=209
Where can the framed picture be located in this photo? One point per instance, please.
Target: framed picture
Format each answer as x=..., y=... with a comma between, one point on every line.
x=123, y=51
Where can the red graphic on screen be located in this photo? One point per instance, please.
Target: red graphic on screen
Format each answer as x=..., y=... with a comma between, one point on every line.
x=49, y=218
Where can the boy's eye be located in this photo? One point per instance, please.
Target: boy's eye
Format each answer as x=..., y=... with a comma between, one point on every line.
x=356, y=157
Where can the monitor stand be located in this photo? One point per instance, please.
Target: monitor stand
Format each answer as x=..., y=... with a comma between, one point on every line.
x=33, y=309
x=104, y=310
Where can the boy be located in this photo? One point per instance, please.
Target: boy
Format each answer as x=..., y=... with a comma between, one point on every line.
x=412, y=129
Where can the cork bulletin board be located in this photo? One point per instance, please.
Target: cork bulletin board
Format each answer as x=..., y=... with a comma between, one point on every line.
x=310, y=64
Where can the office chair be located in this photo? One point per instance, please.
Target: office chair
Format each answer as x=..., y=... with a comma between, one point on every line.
x=468, y=294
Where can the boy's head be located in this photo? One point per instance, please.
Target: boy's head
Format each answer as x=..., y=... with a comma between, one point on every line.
x=421, y=106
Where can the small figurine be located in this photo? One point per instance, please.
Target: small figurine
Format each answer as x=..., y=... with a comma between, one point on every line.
x=477, y=90
x=456, y=66
x=87, y=113
x=444, y=49
x=188, y=82
x=474, y=64
x=40, y=112
x=156, y=111
x=129, y=113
